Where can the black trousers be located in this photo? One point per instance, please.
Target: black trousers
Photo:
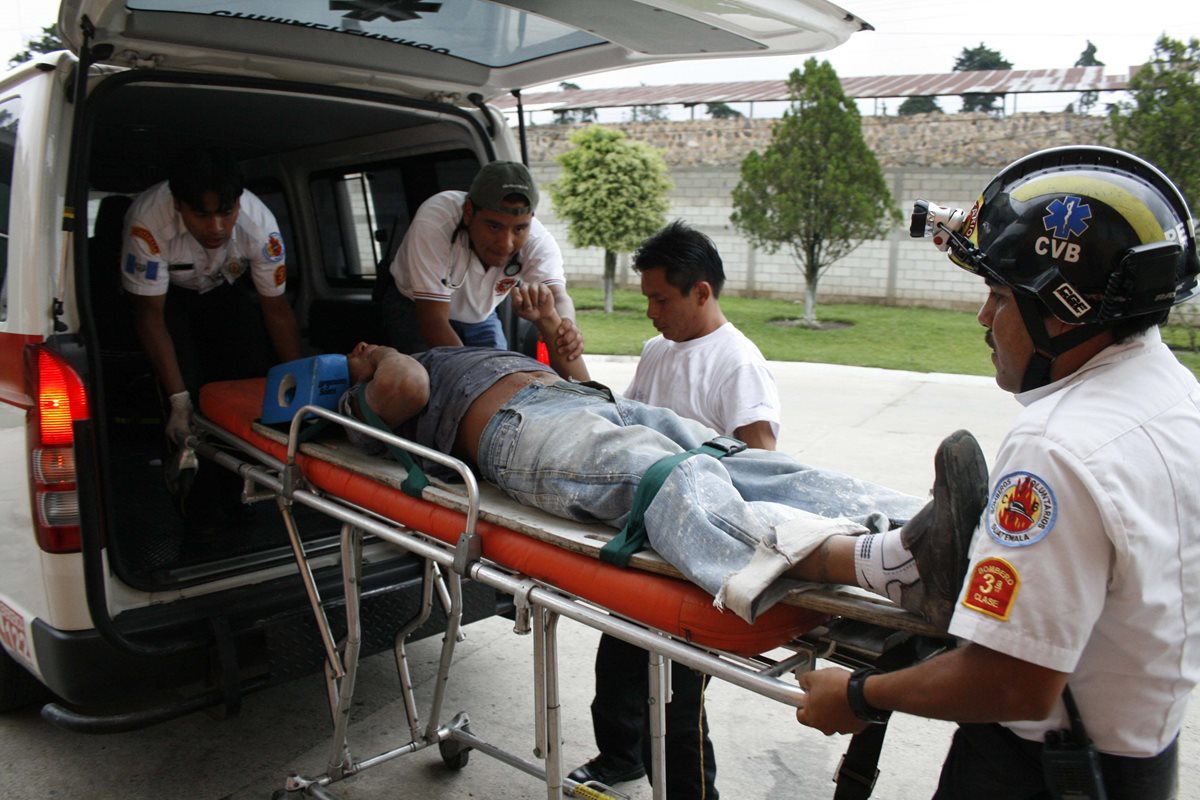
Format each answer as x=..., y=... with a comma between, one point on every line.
x=401, y=331
x=219, y=335
x=990, y=762
x=622, y=725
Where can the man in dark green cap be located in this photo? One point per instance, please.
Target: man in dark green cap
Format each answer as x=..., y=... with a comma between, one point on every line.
x=462, y=255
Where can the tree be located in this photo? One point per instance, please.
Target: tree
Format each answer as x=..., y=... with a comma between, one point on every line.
x=646, y=113
x=1163, y=113
x=980, y=58
x=48, y=43
x=612, y=193
x=1088, y=59
x=921, y=104
x=571, y=116
x=722, y=111
x=817, y=188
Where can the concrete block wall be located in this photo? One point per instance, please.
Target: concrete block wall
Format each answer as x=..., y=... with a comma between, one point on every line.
x=704, y=158
x=896, y=270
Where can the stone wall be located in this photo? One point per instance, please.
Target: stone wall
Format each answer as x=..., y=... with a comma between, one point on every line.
x=946, y=158
x=922, y=140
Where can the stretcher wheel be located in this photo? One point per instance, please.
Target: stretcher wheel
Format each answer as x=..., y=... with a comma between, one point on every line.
x=455, y=754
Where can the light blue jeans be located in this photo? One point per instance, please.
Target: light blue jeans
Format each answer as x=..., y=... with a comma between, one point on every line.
x=571, y=451
x=402, y=332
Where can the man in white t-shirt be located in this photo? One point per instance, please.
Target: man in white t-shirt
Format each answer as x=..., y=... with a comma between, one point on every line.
x=462, y=255
x=187, y=241
x=1081, y=587
x=700, y=366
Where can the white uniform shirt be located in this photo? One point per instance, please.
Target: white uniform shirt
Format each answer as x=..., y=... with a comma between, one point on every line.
x=1088, y=558
x=435, y=262
x=720, y=379
x=158, y=250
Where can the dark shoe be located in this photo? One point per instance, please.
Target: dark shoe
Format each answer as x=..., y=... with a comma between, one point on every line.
x=604, y=771
x=939, y=535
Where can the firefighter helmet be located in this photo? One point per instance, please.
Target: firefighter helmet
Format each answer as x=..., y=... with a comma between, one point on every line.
x=1095, y=234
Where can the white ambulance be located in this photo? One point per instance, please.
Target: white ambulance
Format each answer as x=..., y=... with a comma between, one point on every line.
x=344, y=116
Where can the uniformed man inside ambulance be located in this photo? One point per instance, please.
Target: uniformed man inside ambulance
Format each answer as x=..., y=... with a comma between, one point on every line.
x=1079, y=618
x=463, y=255
x=187, y=242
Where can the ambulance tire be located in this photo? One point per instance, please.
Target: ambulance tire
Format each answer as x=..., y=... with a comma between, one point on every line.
x=18, y=688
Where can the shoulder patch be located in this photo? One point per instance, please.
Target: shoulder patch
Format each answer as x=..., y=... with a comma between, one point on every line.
x=273, y=249
x=1021, y=511
x=281, y=275
x=146, y=236
x=992, y=586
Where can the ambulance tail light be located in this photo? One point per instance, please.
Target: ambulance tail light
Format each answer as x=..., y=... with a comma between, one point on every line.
x=543, y=353
x=60, y=401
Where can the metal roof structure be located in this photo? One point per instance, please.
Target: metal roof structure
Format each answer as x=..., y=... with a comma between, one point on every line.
x=1000, y=81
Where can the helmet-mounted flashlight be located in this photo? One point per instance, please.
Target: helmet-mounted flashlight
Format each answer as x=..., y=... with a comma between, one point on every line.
x=943, y=225
x=931, y=221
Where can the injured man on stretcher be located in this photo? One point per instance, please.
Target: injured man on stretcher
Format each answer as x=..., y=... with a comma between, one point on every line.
x=734, y=525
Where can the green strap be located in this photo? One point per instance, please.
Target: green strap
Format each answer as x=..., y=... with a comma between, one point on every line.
x=416, y=480
x=633, y=537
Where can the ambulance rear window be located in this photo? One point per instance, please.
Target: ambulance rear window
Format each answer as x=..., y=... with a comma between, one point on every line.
x=476, y=31
x=10, y=112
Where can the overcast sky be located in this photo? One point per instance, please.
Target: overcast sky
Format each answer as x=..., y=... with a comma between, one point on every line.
x=928, y=35
x=909, y=37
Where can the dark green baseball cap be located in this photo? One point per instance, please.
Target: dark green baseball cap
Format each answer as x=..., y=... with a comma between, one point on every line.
x=498, y=180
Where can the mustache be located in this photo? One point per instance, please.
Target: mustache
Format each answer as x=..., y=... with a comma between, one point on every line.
x=991, y=342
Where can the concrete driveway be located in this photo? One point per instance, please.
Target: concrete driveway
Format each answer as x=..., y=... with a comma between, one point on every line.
x=878, y=424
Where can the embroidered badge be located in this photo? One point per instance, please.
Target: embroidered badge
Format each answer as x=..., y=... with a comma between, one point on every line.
x=273, y=249
x=147, y=237
x=504, y=285
x=1022, y=510
x=280, y=275
x=992, y=587
x=234, y=268
x=149, y=270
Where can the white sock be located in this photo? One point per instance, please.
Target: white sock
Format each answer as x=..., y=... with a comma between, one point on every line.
x=882, y=565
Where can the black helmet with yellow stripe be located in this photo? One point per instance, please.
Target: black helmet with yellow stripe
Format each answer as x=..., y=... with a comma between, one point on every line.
x=1090, y=235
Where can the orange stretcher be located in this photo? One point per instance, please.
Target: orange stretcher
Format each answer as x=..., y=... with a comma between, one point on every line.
x=548, y=565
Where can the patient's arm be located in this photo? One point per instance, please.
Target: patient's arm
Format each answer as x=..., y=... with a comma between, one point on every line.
x=757, y=434
x=535, y=302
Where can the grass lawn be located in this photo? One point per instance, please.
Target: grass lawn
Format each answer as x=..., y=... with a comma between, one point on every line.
x=916, y=339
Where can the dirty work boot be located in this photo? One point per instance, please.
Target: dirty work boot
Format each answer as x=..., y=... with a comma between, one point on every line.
x=939, y=535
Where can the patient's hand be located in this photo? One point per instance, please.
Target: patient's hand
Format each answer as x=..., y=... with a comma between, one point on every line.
x=535, y=302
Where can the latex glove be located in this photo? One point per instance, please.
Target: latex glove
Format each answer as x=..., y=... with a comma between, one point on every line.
x=179, y=424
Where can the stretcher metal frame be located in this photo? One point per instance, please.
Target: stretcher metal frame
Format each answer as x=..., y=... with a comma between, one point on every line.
x=539, y=606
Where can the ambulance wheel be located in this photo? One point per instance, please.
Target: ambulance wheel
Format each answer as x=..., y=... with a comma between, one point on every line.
x=455, y=755
x=18, y=688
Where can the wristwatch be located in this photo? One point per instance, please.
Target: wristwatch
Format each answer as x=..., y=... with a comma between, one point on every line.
x=858, y=701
